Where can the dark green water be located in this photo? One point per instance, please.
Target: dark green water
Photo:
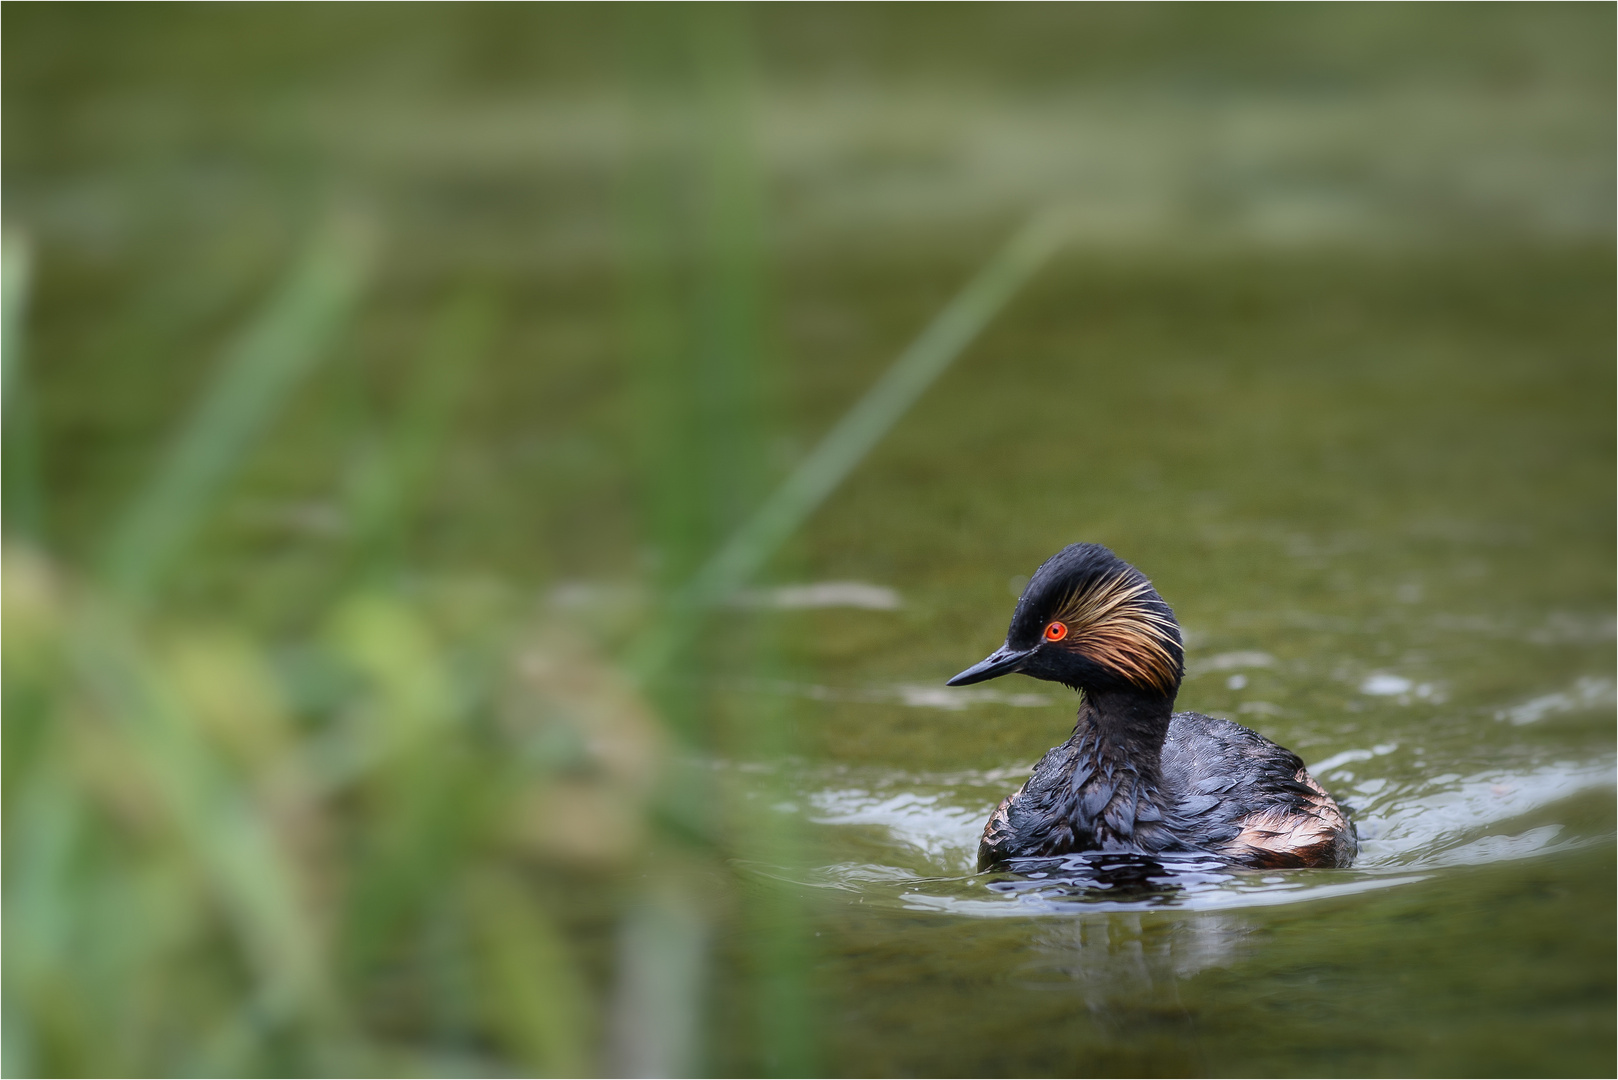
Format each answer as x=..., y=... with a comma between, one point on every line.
x=1331, y=361
x=1387, y=547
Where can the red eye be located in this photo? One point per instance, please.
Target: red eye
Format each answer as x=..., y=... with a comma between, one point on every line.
x=1056, y=631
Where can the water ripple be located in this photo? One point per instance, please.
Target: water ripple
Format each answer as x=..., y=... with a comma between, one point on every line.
x=918, y=833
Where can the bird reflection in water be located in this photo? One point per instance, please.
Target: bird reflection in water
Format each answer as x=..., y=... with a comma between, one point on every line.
x=1110, y=878
x=1124, y=964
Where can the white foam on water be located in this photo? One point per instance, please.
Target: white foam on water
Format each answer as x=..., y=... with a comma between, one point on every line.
x=944, y=833
x=910, y=695
x=821, y=594
x=1384, y=685
x=1429, y=825
x=1227, y=661
x=1585, y=695
x=921, y=696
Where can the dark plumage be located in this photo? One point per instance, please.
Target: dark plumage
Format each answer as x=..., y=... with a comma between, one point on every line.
x=1135, y=775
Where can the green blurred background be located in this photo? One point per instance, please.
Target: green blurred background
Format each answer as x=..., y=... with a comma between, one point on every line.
x=381, y=381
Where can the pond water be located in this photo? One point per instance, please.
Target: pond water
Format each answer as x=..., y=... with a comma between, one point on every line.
x=1330, y=360
x=1366, y=527
x=1472, y=933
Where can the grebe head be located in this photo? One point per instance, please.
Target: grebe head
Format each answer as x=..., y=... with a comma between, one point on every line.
x=1089, y=620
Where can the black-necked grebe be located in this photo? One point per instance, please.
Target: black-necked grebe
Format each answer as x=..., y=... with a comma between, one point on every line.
x=1135, y=775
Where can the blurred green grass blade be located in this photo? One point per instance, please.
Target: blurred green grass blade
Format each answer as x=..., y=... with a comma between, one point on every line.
x=22, y=502
x=394, y=482
x=227, y=836
x=685, y=323
x=41, y=834
x=728, y=307
x=532, y=998
x=256, y=376
x=16, y=267
x=784, y=957
x=425, y=790
x=864, y=425
x=856, y=434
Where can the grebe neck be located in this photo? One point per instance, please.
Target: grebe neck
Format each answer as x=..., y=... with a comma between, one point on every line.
x=1117, y=778
x=1127, y=726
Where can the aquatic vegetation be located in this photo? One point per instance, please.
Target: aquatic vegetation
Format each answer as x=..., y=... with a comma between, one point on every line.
x=229, y=852
x=338, y=852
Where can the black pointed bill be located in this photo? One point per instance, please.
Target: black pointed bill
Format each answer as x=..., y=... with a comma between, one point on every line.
x=1003, y=661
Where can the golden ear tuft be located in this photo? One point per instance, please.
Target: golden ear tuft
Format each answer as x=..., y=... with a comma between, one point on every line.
x=1107, y=622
